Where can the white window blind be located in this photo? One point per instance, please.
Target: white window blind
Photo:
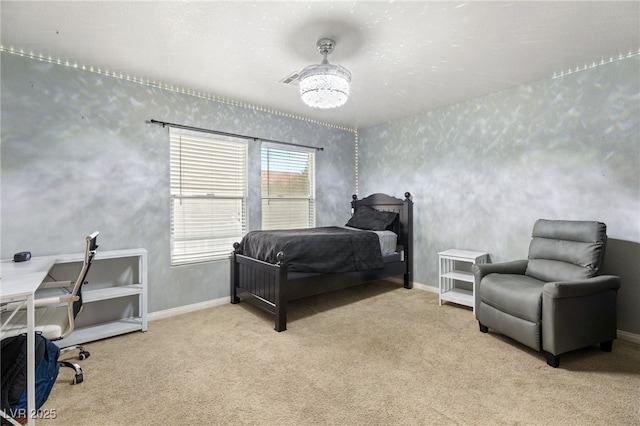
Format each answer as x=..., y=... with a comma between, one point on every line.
x=288, y=188
x=208, y=197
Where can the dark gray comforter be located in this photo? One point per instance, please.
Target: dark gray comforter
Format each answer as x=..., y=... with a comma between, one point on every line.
x=325, y=249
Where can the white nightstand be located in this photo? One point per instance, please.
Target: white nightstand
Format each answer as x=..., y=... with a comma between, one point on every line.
x=454, y=268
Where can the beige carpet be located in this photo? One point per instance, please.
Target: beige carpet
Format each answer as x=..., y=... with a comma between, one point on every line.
x=373, y=355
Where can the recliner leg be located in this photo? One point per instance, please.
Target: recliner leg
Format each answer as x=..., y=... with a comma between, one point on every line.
x=553, y=360
x=483, y=328
x=606, y=346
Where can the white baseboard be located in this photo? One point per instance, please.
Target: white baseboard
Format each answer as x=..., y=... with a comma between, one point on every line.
x=167, y=313
x=425, y=287
x=415, y=284
x=629, y=337
x=622, y=335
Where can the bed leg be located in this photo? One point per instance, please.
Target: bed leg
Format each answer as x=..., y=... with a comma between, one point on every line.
x=280, y=296
x=234, y=275
x=407, y=282
x=281, y=317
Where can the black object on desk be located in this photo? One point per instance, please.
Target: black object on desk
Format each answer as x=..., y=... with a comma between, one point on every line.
x=22, y=256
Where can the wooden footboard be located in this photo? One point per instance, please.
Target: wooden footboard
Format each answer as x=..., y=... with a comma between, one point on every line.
x=268, y=287
x=261, y=284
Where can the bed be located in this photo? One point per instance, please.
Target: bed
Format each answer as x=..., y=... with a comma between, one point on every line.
x=267, y=277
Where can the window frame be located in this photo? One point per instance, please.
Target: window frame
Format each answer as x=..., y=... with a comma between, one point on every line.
x=282, y=198
x=211, y=175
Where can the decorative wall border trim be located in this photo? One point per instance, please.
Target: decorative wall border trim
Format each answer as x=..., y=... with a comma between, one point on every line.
x=166, y=86
x=595, y=64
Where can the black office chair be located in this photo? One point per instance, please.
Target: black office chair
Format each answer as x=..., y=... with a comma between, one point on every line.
x=55, y=315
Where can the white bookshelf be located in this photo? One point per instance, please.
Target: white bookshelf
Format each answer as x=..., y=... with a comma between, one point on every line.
x=114, y=297
x=455, y=279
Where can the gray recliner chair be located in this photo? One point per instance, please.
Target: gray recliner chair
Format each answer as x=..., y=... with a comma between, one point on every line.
x=553, y=302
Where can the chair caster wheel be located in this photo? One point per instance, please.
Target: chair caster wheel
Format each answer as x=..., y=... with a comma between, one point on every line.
x=79, y=378
x=83, y=355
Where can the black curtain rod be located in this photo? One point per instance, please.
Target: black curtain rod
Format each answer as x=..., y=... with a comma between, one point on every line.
x=234, y=135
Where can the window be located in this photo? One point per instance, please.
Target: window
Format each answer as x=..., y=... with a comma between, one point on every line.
x=288, y=188
x=208, y=197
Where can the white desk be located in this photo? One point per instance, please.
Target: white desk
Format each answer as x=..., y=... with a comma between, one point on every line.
x=19, y=282
x=123, y=274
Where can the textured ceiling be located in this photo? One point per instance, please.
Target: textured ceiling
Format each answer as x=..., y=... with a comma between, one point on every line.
x=405, y=57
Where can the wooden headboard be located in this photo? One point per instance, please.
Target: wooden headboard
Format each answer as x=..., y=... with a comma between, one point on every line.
x=404, y=208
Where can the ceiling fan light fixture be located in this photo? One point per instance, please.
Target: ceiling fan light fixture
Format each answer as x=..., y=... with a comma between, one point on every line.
x=325, y=85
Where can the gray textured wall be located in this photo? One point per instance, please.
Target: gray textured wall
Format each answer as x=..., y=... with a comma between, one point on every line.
x=77, y=156
x=481, y=172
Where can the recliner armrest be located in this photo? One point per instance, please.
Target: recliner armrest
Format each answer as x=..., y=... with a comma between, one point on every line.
x=480, y=270
x=586, y=287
